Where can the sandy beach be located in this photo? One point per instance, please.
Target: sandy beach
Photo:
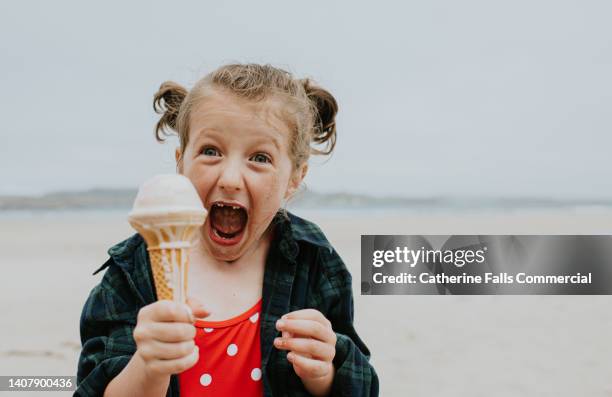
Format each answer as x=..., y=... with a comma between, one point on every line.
x=421, y=345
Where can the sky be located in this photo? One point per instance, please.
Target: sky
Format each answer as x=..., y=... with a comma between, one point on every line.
x=437, y=98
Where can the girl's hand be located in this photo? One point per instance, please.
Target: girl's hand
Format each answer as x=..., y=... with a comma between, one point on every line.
x=311, y=342
x=164, y=336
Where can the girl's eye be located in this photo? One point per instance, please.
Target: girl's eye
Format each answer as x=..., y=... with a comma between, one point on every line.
x=210, y=151
x=261, y=158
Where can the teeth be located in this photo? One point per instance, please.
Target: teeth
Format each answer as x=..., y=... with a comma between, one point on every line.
x=236, y=207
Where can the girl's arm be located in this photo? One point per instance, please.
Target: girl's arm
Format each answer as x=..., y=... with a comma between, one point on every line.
x=133, y=381
x=354, y=374
x=97, y=364
x=165, y=346
x=109, y=364
x=107, y=344
x=120, y=359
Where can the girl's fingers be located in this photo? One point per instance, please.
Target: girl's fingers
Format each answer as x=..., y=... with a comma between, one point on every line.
x=197, y=308
x=169, y=332
x=309, y=367
x=175, y=366
x=313, y=329
x=193, y=301
x=307, y=347
x=164, y=310
x=308, y=314
x=156, y=350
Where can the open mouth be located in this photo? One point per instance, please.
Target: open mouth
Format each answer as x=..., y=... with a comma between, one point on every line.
x=227, y=222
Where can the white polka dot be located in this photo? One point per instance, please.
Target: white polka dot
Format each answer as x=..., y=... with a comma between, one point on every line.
x=232, y=350
x=256, y=374
x=208, y=330
x=206, y=379
x=254, y=317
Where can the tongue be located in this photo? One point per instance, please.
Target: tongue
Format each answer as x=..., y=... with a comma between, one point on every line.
x=228, y=220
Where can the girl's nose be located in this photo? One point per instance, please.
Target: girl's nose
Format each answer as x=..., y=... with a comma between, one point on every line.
x=231, y=178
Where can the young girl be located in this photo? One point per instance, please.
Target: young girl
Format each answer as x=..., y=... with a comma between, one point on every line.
x=271, y=308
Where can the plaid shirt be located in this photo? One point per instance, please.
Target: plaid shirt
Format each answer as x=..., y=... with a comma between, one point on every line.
x=302, y=271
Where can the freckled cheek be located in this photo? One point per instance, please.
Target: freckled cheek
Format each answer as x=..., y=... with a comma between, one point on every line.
x=266, y=192
x=202, y=180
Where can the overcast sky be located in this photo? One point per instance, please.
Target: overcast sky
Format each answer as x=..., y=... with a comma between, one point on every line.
x=464, y=98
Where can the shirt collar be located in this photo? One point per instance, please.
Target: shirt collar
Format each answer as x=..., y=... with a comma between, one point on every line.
x=307, y=232
x=292, y=232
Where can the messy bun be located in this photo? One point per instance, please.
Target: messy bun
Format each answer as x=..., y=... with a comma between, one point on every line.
x=167, y=102
x=326, y=108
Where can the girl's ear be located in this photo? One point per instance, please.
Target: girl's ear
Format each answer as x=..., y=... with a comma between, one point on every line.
x=179, y=160
x=296, y=179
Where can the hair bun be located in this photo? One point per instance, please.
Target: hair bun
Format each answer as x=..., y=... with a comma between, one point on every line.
x=325, y=123
x=167, y=102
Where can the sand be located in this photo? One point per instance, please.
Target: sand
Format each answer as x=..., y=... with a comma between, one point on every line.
x=421, y=345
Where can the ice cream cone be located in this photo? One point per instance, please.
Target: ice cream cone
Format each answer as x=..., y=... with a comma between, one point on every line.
x=167, y=213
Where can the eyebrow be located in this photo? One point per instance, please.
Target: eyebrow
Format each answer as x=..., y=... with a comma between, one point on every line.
x=201, y=131
x=214, y=131
x=272, y=138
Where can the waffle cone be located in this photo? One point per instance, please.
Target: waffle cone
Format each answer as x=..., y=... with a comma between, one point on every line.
x=163, y=263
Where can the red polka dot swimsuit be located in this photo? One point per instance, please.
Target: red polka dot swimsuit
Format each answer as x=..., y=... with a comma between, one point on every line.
x=230, y=358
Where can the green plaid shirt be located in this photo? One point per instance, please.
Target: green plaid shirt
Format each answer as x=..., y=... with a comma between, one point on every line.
x=302, y=271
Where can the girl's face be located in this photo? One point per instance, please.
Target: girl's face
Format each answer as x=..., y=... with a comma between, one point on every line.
x=238, y=160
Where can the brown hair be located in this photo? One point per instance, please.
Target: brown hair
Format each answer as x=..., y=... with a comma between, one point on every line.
x=311, y=115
